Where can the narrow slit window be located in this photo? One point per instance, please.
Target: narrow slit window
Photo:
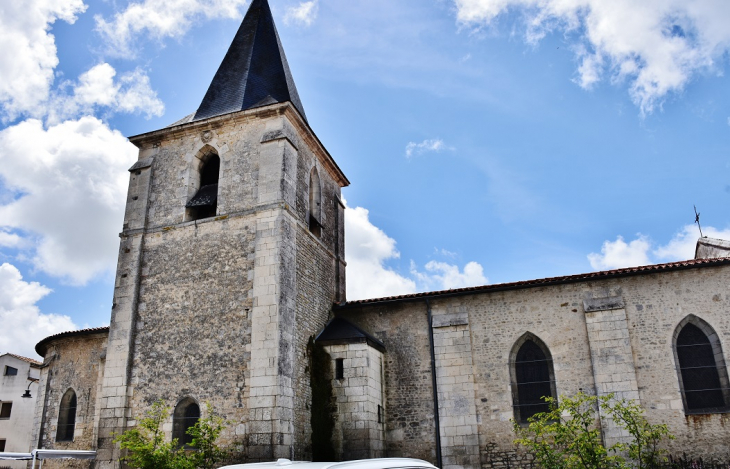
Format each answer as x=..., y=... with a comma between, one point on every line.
x=340, y=368
x=533, y=381
x=186, y=415
x=66, y=417
x=315, y=204
x=380, y=413
x=2, y=446
x=699, y=371
x=204, y=203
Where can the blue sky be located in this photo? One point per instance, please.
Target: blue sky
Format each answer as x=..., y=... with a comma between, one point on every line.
x=486, y=141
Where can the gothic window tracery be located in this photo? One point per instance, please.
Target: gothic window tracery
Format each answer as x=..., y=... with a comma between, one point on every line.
x=531, y=366
x=701, y=367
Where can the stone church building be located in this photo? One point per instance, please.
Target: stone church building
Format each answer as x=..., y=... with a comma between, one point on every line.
x=230, y=290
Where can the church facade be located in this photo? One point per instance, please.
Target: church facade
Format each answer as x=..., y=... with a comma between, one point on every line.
x=230, y=290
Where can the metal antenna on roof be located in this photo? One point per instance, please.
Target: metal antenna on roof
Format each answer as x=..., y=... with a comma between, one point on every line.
x=697, y=220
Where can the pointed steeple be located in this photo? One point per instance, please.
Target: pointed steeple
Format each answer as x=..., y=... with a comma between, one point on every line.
x=254, y=71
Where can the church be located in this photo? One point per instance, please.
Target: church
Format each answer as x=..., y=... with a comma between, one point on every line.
x=230, y=290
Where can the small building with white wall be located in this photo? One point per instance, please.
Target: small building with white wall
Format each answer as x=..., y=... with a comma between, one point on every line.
x=18, y=391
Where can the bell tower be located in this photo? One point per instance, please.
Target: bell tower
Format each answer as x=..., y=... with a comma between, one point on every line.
x=231, y=256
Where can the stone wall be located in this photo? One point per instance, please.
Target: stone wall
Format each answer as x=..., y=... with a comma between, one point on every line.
x=491, y=321
x=403, y=329
x=221, y=309
x=361, y=412
x=71, y=363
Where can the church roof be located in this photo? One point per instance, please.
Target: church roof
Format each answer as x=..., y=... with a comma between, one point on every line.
x=591, y=276
x=41, y=346
x=340, y=331
x=254, y=72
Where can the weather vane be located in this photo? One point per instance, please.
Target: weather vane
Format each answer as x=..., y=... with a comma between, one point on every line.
x=697, y=220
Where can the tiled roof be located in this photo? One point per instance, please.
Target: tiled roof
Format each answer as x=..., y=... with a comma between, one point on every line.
x=25, y=359
x=630, y=271
x=40, y=347
x=254, y=72
x=341, y=331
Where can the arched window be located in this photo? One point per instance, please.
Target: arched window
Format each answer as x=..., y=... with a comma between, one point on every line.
x=66, y=417
x=315, y=203
x=205, y=202
x=531, y=367
x=186, y=415
x=702, y=373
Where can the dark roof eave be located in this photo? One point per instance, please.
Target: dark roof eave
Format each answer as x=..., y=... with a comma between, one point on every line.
x=550, y=281
x=41, y=347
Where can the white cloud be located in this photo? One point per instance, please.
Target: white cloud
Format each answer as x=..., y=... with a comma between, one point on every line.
x=28, y=51
x=23, y=323
x=641, y=251
x=657, y=45
x=161, y=19
x=304, y=14
x=96, y=88
x=368, y=249
x=432, y=145
x=682, y=246
x=10, y=240
x=443, y=276
x=70, y=180
x=617, y=254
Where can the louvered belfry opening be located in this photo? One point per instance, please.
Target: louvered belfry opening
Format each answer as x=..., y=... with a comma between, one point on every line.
x=186, y=415
x=703, y=391
x=66, y=417
x=533, y=376
x=204, y=203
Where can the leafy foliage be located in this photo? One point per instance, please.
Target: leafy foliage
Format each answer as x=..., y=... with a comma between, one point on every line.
x=569, y=437
x=147, y=449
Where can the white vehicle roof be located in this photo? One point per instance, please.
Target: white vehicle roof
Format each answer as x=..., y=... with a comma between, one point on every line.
x=378, y=463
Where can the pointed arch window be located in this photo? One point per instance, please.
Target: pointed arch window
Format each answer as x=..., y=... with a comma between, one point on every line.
x=315, y=203
x=186, y=415
x=701, y=367
x=204, y=203
x=533, y=379
x=66, y=417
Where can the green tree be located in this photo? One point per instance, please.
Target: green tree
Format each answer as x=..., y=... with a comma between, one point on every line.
x=146, y=447
x=206, y=453
x=568, y=436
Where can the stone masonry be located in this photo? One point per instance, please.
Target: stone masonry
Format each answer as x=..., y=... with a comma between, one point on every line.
x=235, y=274
x=360, y=425
x=612, y=357
x=611, y=332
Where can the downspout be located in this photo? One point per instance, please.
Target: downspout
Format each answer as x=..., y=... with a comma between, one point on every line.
x=439, y=461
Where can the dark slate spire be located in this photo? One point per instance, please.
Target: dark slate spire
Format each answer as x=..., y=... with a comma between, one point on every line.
x=254, y=71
